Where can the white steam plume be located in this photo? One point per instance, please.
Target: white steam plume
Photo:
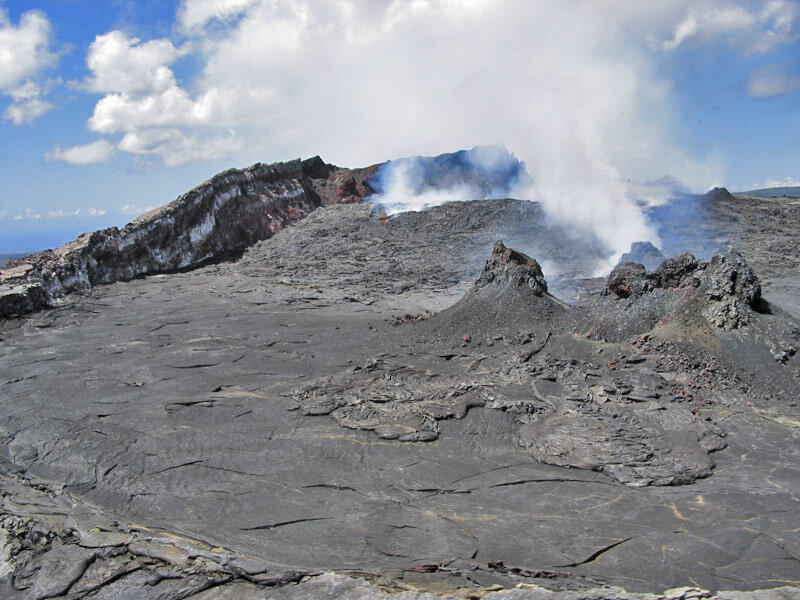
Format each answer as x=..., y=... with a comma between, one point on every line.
x=400, y=195
x=569, y=87
x=572, y=88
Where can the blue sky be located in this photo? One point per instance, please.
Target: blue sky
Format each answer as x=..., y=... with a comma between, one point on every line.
x=110, y=108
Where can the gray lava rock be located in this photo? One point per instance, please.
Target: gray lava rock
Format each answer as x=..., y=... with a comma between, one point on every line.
x=727, y=289
x=732, y=289
x=674, y=271
x=167, y=402
x=630, y=280
x=507, y=268
x=22, y=298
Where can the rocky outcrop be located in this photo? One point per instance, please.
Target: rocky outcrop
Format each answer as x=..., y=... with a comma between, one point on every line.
x=724, y=291
x=489, y=171
x=732, y=289
x=507, y=268
x=217, y=219
x=719, y=194
x=630, y=279
x=22, y=298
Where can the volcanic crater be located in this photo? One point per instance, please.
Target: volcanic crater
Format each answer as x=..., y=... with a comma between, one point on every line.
x=272, y=389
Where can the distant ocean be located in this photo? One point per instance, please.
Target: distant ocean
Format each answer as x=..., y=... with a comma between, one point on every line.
x=27, y=236
x=4, y=258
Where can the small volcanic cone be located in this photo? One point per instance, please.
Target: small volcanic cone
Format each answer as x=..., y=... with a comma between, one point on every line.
x=509, y=298
x=507, y=270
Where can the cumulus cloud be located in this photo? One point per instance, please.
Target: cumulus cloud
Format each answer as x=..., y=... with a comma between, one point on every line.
x=86, y=154
x=24, y=54
x=126, y=65
x=756, y=29
x=131, y=209
x=573, y=89
x=24, y=48
x=26, y=112
x=194, y=14
x=31, y=214
x=772, y=80
x=140, y=88
x=143, y=100
x=174, y=147
x=774, y=183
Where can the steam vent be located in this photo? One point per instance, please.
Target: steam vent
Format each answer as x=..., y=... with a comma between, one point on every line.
x=277, y=386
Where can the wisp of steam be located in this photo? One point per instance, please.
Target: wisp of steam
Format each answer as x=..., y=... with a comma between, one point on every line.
x=485, y=172
x=417, y=183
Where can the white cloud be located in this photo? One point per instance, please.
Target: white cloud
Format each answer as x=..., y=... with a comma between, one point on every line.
x=130, y=209
x=753, y=29
x=24, y=53
x=141, y=89
x=194, y=14
x=174, y=147
x=86, y=154
x=772, y=80
x=31, y=214
x=774, y=183
x=144, y=102
x=22, y=113
x=126, y=65
x=25, y=91
x=24, y=49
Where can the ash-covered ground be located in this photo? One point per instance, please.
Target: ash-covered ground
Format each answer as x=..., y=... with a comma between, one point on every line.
x=406, y=402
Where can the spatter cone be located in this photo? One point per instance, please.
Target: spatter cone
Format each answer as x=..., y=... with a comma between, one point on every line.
x=503, y=347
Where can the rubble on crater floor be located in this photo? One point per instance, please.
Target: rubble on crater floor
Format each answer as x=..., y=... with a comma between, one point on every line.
x=724, y=291
x=360, y=407
x=624, y=423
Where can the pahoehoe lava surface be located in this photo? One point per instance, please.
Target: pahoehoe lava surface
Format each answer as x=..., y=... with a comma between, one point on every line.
x=405, y=401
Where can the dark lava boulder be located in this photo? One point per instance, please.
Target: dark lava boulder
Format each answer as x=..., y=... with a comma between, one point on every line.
x=724, y=291
x=22, y=298
x=732, y=289
x=508, y=269
x=674, y=271
x=630, y=280
x=718, y=194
